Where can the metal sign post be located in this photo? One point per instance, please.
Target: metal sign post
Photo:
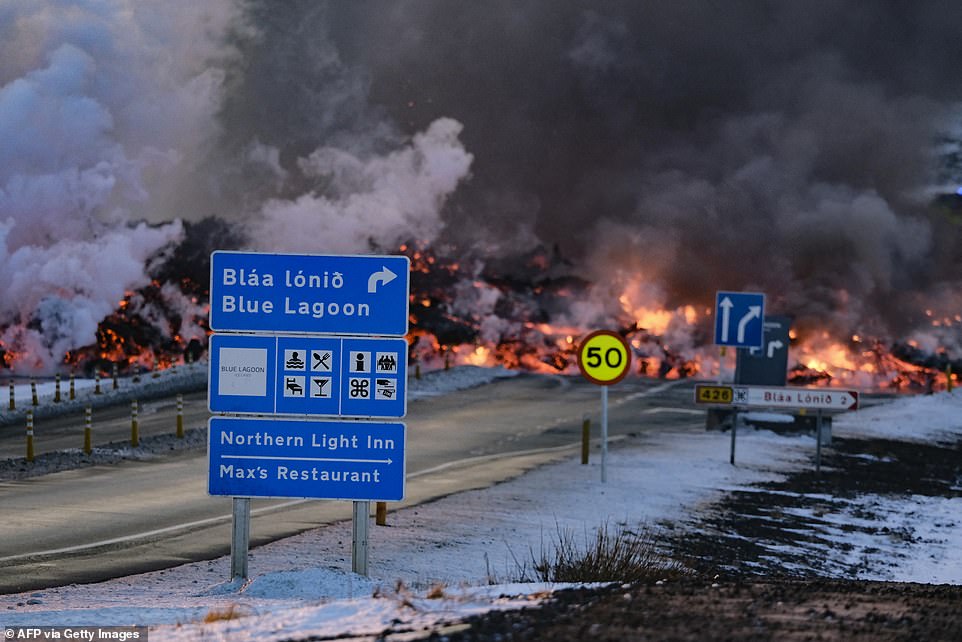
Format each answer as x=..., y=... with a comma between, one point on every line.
x=603, y=358
x=731, y=457
x=818, y=441
x=240, y=537
x=604, y=434
x=359, y=537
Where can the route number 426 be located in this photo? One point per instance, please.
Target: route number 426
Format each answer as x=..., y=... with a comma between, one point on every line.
x=714, y=394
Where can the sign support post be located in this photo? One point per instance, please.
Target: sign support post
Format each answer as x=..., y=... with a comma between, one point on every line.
x=359, y=533
x=603, y=358
x=604, y=434
x=731, y=458
x=818, y=441
x=240, y=537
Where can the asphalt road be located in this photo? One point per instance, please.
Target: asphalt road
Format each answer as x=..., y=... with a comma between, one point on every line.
x=99, y=522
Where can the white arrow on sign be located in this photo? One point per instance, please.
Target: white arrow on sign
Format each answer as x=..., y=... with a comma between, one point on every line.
x=773, y=346
x=726, y=305
x=754, y=312
x=384, y=276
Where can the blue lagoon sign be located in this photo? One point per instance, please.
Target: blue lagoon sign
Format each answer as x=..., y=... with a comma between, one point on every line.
x=303, y=293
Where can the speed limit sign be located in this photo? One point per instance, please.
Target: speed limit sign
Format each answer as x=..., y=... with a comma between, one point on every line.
x=604, y=357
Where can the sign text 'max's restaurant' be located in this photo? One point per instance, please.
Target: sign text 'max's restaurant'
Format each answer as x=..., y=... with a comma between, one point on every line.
x=352, y=295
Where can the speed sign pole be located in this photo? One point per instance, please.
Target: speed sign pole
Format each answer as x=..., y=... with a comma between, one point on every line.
x=603, y=358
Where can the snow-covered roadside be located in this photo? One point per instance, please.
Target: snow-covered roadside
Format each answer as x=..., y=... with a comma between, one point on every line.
x=301, y=586
x=902, y=537
x=434, y=562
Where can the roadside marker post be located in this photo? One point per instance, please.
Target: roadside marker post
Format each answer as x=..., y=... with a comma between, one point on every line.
x=73, y=388
x=311, y=347
x=13, y=401
x=33, y=392
x=180, y=416
x=115, y=385
x=604, y=359
x=30, y=436
x=585, y=439
x=56, y=390
x=88, y=430
x=134, y=426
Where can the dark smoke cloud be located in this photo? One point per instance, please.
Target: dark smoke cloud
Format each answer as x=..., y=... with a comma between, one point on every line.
x=666, y=149
x=780, y=146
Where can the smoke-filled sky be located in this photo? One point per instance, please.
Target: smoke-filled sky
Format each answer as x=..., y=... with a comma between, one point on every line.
x=790, y=147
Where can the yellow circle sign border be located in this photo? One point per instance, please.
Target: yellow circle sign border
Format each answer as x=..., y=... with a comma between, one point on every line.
x=585, y=345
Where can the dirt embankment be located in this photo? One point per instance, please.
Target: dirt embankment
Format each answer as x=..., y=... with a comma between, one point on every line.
x=699, y=610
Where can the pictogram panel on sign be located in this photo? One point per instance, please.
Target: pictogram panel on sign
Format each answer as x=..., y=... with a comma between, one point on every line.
x=308, y=375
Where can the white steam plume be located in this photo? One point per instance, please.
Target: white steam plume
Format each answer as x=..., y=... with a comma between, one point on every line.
x=105, y=107
x=378, y=201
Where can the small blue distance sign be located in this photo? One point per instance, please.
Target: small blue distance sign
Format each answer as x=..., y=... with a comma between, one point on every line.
x=309, y=293
x=287, y=458
x=739, y=319
x=308, y=375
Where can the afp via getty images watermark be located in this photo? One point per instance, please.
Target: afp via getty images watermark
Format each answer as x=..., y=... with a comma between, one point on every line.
x=79, y=633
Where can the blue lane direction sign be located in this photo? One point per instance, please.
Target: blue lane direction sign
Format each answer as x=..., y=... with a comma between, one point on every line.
x=309, y=293
x=739, y=319
x=357, y=461
x=308, y=375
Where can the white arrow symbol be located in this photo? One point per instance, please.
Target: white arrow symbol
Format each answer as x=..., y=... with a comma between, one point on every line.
x=383, y=277
x=754, y=312
x=726, y=306
x=331, y=459
x=773, y=346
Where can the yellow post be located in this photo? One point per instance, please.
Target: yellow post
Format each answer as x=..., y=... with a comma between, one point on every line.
x=33, y=392
x=13, y=401
x=417, y=371
x=97, y=390
x=380, y=513
x=88, y=429
x=30, y=435
x=134, y=429
x=948, y=378
x=73, y=388
x=585, y=439
x=115, y=376
x=56, y=389
x=447, y=361
x=180, y=416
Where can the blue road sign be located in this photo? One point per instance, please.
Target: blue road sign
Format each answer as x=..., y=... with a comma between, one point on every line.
x=358, y=461
x=304, y=293
x=739, y=319
x=308, y=375
x=766, y=366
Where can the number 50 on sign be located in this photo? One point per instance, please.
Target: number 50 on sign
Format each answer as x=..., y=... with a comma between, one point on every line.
x=603, y=357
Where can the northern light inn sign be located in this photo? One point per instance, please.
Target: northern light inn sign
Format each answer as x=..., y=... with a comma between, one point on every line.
x=311, y=294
